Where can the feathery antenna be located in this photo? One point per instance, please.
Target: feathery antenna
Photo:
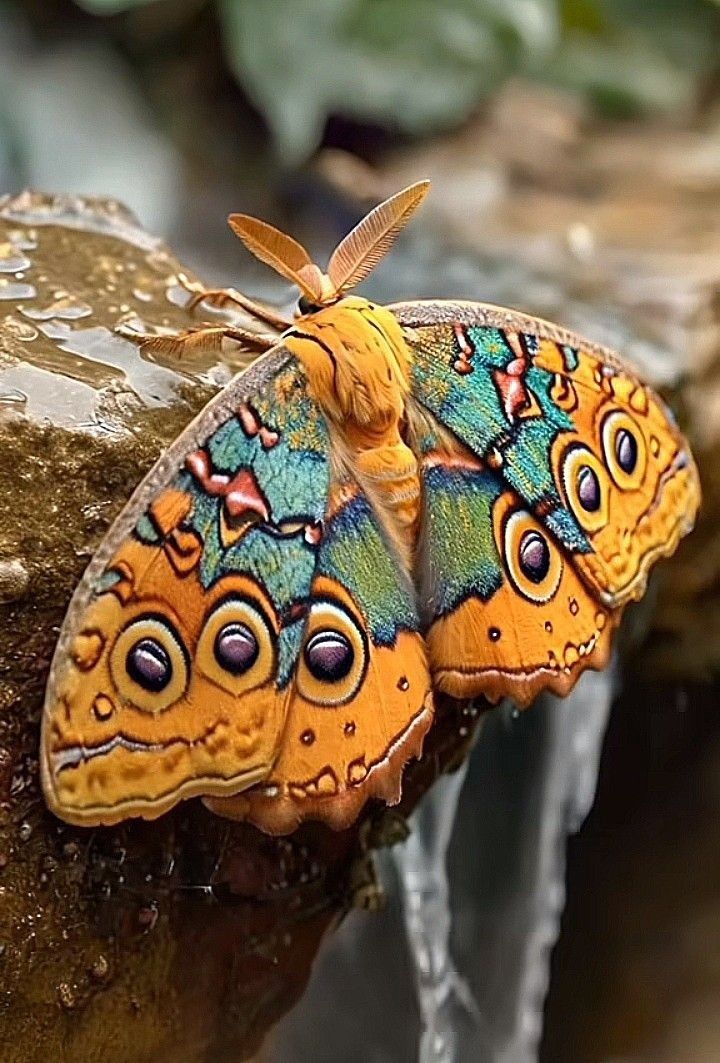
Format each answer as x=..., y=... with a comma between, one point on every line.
x=357, y=255
x=276, y=249
x=352, y=260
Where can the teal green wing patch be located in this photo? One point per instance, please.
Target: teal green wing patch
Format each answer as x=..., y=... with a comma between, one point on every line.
x=356, y=554
x=480, y=382
x=460, y=554
x=259, y=490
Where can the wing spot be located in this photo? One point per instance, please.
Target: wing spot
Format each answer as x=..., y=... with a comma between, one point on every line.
x=87, y=650
x=357, y=771
x=103, y=707
x=571, y=656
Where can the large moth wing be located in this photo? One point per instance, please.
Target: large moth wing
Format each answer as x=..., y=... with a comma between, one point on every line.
x=570, y=428
x=585, y=464
x=506, y=613
x=136, y=716
x=361, y=702
x=182, y=665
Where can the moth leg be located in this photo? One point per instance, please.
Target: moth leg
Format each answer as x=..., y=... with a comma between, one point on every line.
x=221, y=298
x=190, y=341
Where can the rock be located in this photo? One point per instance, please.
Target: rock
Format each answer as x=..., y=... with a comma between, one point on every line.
x=185, y=938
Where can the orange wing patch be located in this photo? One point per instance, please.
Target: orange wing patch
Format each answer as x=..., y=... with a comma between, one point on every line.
x=540, y=630
x=339, y=750
x=143, y=714
x=626, y=474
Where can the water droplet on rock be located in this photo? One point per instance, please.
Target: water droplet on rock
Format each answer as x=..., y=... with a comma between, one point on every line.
x=66, y=995
x=100, y=969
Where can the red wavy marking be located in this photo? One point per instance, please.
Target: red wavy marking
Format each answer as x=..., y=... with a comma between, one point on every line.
x=242, y=494
x=252, y=426
x=463, y=364
x=510, y=382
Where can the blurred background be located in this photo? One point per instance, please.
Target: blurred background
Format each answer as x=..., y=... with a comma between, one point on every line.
x=574, y=149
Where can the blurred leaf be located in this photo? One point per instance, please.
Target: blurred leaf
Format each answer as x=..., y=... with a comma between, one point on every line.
x=585, y=15
x=624, y=78
x=110, y=7
x=416, y=67
x=422, y=66
x=638, y=56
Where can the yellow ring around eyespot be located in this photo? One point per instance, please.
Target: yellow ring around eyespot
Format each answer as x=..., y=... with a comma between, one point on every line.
x=240, y=610
x=612, y=425
x=330, y=617
x=574, y=460
x=131, y=692
x=516, y=526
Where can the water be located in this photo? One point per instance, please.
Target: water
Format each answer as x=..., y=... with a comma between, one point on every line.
x=475, y=897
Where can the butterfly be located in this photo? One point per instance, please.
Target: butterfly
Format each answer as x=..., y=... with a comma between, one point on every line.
x=390, y=503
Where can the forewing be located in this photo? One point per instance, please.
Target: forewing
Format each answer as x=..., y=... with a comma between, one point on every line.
x=589, y=449
x=245, y=624
x=173, y=666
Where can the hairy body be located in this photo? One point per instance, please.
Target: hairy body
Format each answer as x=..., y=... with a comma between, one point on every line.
x=358, y=368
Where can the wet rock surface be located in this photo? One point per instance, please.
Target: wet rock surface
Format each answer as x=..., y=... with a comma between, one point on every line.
x=183, y=939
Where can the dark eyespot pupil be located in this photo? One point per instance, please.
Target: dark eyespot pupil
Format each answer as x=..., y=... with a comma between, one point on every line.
x=329, y=656
x=236, y=648
x=149, y=665
x=626, y=450
x=534, y=556
x=588, y=489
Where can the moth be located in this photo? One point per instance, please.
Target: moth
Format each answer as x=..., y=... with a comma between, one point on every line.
x=392, y=502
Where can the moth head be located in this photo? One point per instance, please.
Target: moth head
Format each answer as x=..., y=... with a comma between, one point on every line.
x=169, y=692
x=350, y=263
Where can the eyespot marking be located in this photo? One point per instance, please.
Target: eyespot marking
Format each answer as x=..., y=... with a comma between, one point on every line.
x=586, y=487
x=334, y=657
x=148, y=664
x=625, y=450
x=236, y=648
x=329, y=656
x=534, y=556
x=534, y=564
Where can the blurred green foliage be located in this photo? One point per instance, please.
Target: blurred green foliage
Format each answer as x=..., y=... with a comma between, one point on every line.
x=417, y=66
